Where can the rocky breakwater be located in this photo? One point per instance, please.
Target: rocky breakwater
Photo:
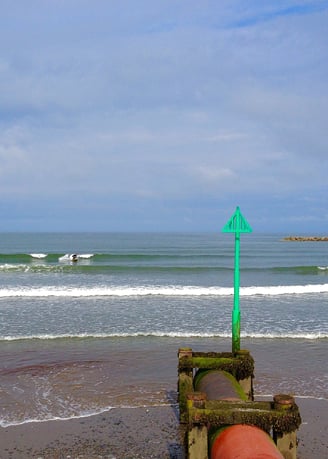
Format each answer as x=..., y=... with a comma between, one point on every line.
x=306, y=238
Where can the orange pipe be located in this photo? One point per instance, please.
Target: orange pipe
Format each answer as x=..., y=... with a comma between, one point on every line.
x=238, y=441
x=244, y=442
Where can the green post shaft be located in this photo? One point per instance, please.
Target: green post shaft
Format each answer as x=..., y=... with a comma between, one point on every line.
x=236, y=310
x=237, y=224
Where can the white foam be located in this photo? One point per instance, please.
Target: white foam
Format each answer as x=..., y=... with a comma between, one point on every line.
x=38, y=255
x=171, y=290
x=309, y=397
x=68, y=256
x=85, y=414
x=13, y=267
x=6, y=423
x=167, y=334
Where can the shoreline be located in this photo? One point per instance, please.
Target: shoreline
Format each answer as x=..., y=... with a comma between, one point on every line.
x=137, y=433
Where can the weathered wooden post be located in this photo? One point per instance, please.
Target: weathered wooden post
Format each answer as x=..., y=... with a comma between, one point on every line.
x=185, y=381
x=247, y=381
x=285, y=441
x=197, y=436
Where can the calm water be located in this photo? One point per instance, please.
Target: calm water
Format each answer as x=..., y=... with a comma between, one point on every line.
x=81, y=337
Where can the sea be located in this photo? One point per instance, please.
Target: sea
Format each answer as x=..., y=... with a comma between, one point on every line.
x=78, y=338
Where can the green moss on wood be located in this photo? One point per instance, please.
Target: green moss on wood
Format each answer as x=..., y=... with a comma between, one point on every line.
x=285, y=422
x=234, y=413
x=185, y=387
x=241, y=367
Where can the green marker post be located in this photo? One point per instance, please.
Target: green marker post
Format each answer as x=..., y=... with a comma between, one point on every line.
x=237, y=224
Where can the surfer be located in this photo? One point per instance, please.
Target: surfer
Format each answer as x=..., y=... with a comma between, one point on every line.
x=74, y=257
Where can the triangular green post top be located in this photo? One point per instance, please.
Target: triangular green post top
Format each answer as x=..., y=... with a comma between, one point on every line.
x=237, y=224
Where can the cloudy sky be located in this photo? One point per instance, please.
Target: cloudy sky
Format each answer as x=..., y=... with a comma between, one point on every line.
x=163, y=115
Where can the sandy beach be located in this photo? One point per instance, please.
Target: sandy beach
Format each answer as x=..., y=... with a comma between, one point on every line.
x=152, y=432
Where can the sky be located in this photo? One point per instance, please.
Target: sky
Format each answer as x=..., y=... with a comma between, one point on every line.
x=125, y=115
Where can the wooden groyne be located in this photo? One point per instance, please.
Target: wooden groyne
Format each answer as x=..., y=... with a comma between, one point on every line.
x=216, y=392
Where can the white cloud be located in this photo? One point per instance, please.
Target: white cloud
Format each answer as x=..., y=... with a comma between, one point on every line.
x=214, y=174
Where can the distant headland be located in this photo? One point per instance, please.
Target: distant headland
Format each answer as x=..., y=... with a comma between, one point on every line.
x=306, y=238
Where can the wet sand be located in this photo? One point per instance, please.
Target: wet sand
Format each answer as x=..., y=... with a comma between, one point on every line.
x=132, y=433
x=151, y=432
x=313, y=433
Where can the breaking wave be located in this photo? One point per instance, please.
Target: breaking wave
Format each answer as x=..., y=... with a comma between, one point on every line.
x=171, y=290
